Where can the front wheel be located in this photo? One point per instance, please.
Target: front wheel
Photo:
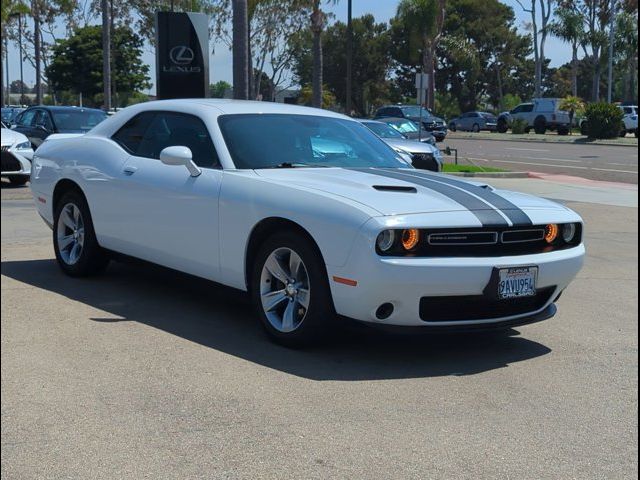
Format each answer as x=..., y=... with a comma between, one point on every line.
x=502, y=126
x=290, y=290
x=74, y=240
x=475, y=128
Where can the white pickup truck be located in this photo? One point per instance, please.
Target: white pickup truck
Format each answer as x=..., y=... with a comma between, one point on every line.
x=541, y=114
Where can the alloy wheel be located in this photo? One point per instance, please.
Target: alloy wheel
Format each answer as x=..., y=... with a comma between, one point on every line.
x=285, y=290
x=70, y=234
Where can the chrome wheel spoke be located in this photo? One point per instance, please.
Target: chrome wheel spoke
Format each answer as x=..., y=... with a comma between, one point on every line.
x=275, y=268
x=289, y=316
x=67, y=219
x=303, y=297
x=272, y=299
x=295, y=263
x=64, y=242
x=74, y=253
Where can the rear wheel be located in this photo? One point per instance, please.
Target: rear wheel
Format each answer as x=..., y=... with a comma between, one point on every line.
x=475, y=128
x=290, y=290
x=453, y=127
x=502, y=126
x=540, y=125
x=584, y=128
x=74, y=239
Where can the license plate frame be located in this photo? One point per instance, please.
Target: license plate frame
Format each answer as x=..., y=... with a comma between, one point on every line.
x=525, y=286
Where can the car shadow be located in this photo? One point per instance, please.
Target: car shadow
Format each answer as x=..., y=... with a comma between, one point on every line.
x=221, y=318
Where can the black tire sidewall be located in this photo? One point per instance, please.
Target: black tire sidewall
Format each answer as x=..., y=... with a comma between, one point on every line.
x=92, y=259
x=321, y=313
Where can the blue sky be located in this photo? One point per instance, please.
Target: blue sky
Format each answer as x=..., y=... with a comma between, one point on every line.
x=383, y=10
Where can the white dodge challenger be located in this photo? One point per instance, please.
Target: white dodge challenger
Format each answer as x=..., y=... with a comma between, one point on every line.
x=308, y=211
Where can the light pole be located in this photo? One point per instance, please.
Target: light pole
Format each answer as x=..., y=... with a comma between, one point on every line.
x=20, y=51
x=612, y=27
x=349, y=57
x=6, y=67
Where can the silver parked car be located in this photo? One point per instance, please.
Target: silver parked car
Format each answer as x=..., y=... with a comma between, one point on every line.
x=424, y=155
x=474, y=122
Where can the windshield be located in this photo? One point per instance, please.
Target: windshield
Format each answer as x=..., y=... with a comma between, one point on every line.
x=258, y=141
x=77, y=120
x=405, y=126
x=414, y=112
x=383, y=130
x=488, y=116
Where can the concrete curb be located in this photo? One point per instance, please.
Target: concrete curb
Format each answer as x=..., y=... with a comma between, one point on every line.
x=540, y=140
x=490, y=174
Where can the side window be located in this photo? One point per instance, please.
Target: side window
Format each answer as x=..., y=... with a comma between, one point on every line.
x=384, y=112
x=42, y=119
x=131, y=133
x=26, y=118
x=527, y=108
x=168, y=129
x=628, y=110
x=397, y=112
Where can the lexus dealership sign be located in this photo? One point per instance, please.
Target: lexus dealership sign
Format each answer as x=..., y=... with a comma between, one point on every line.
x=182, y=55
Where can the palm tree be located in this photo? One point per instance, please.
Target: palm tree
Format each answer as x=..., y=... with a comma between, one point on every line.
x=423, y=20
x=573, y=105
x=240, y=50
x=569, y=27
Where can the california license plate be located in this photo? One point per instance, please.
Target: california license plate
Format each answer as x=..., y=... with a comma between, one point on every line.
x=517, y=282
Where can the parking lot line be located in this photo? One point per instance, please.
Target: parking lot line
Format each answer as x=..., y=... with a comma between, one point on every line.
x=575, y=167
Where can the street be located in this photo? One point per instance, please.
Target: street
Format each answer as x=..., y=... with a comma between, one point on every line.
x=596, y=162
x=145, y=373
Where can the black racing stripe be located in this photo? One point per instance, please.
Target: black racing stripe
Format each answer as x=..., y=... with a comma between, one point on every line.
x=488, y=216
x=511, y=211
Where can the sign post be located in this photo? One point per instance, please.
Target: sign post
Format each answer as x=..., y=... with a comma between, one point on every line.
x=182, y=55
x=422, y=83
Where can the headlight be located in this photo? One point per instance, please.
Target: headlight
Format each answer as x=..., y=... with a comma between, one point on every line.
x=410, y=238
x=386, y=240
x=568, y=232
x=551, y=232
x=23, y=146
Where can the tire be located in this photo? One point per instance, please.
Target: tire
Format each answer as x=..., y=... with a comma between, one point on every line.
x=636, y=132
x=74, y=239
x=475, y=128
x=18, y=180
x=623, y=133
x=453, y=127
x=502, y=126
x=289, y=317
x=540, y=125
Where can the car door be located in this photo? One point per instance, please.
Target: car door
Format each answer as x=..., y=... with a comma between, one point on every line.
x=464, y=122
x=24, y=124
x=166, y=215
x=42, y=127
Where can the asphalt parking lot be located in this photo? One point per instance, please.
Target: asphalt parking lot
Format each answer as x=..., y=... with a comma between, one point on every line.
x=595, y=162
x=142, y=373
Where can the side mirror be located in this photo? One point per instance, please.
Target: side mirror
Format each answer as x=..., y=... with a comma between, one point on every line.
x=180, y=155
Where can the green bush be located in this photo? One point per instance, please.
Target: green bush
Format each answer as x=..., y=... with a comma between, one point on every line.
x=519, y=126
x=604, y=120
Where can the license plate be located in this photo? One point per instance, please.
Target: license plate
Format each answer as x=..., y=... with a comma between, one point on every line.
x=517, y=282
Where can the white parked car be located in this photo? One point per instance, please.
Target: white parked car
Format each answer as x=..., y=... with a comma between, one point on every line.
x=16, y=156
x=307, y=210
x=630, y=119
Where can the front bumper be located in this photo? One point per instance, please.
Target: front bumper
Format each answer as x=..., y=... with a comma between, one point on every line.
x=404, y=282
x=14, y=164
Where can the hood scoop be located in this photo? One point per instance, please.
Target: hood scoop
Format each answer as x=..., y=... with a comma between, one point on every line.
x=395, y=188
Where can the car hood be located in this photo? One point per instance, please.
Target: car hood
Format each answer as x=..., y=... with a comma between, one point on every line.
x=11, y=137
x=409, y=191
x=410, y=146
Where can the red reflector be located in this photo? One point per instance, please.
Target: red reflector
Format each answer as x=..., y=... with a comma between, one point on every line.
x=345, y=281
x=42, y=200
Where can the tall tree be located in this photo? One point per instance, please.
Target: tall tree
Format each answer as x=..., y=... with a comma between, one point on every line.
x=77, y=63
x=240, y=50
x=106, y=53
x=569, y=26
x=11, y=9
x=540, y=31
x=626, y=48
x=423, y=21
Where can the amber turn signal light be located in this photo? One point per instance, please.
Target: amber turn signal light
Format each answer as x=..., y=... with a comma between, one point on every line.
x=551, y=232
x=410, y=238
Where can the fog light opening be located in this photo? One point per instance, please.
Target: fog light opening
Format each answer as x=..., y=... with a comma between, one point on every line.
x=384, y=311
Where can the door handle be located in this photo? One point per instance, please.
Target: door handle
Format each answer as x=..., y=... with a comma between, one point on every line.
x=130, y=170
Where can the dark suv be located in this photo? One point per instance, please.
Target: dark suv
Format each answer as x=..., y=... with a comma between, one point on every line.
x=430, y=122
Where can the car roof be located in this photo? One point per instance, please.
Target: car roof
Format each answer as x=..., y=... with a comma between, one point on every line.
x=395, y=119
x=60, y=108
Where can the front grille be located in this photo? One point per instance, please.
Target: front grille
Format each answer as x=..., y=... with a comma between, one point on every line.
x=480, y=307
x=9, y=162
x=5, y=148
x=424, y=161
x=483, y=242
